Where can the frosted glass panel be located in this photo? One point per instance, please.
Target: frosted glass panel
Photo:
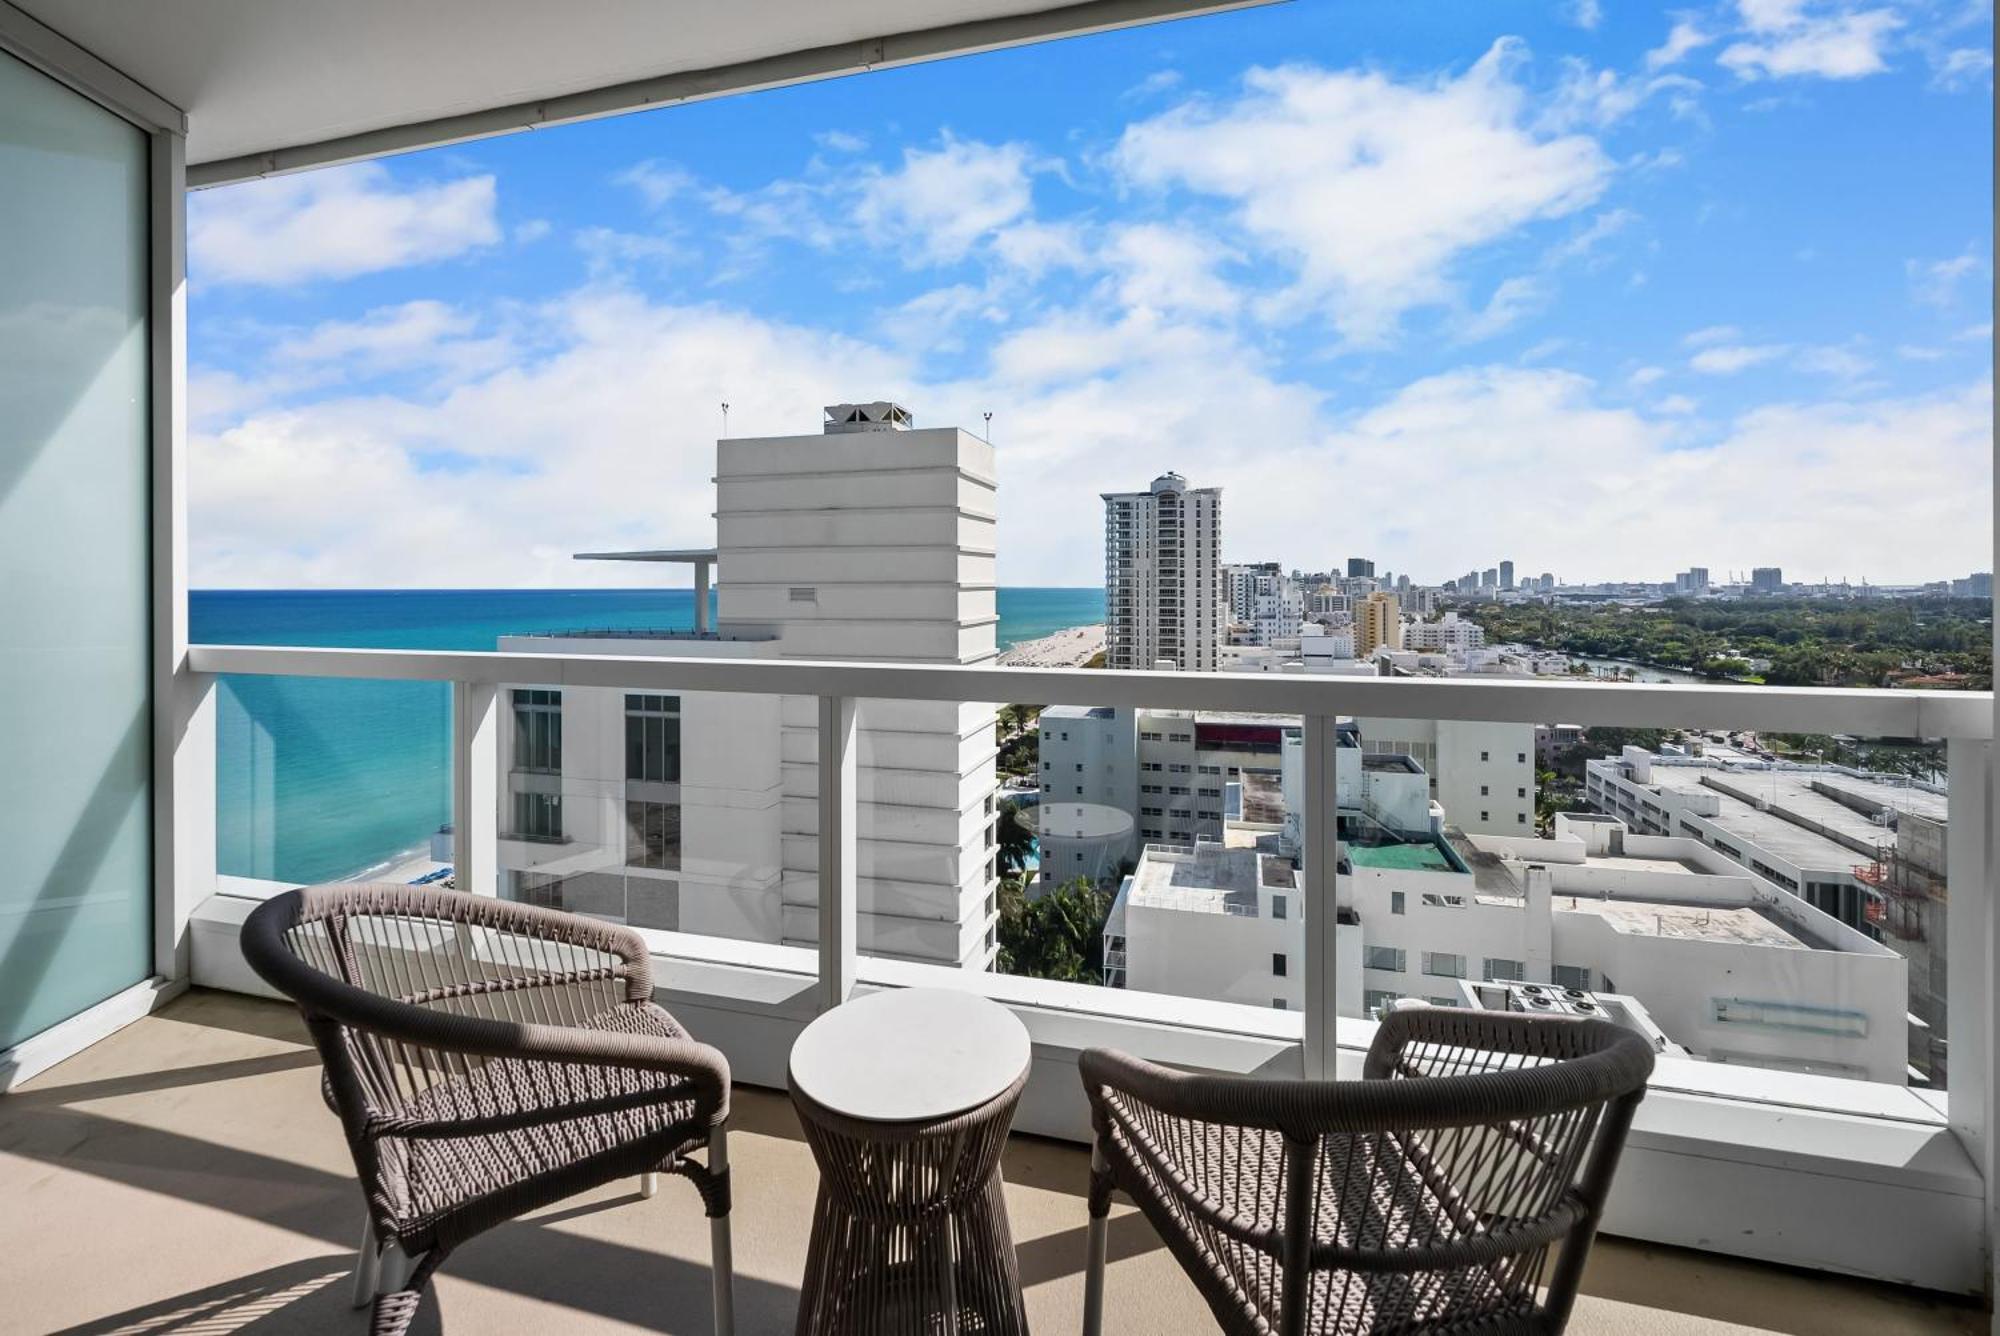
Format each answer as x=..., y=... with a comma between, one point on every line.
x=75, y=829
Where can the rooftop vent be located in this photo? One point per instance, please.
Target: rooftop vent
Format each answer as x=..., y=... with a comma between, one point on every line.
x=878, y=416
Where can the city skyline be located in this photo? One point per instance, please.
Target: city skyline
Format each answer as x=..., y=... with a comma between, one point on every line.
x=1401, y=283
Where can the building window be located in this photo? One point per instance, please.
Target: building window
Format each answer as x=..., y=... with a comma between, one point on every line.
x=1520, y=818
x=1511, y=971
x=538, y=816
x=1277, y=906
x=653, y=835
x=1396, y=902
x=1483, y=792
x=1572, y=976
x=1278, y=1004
x=538, y=731
x=1444, y=964
x=1520, y=758
x=653, y=738
x=1278, y=964
x=1374, y=1001
x=1520, y=793
x=1485, y=756
x=1389, y=958
x=1485, y=815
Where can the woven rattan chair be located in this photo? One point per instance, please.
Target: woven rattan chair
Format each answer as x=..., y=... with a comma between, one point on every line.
x=487, y=1059
x=1423, y=1198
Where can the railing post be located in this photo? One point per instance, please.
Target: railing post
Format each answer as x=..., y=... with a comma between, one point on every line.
x=837, y=780
x=475, y=786
x=1320, y=837
x=1971, y=953
x=184, y=774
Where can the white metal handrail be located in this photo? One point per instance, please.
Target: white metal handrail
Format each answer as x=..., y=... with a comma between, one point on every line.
x=1871, y=713
x=1964, y=718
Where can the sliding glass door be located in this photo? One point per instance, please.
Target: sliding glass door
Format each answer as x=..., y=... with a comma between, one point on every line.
x=75, y=600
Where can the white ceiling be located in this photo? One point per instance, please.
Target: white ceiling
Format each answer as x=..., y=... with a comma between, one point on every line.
x=260, y=75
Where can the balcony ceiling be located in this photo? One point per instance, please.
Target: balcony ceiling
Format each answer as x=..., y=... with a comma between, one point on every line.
x=257, y=76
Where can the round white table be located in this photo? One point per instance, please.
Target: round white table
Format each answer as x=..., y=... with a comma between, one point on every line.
x=906, y=1098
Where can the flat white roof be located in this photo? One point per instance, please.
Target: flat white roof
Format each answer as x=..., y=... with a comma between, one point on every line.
x=1741, y=925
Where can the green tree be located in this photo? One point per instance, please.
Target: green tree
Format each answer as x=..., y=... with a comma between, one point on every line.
x=1058, y=935
x=1015, y=839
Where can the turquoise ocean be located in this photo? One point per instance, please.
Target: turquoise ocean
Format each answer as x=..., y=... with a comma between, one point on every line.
x=318, y=778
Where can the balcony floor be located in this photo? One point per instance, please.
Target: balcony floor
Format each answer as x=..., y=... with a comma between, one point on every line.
x=183, y=1176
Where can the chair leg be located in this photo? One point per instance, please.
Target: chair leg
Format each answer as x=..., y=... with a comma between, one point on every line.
x=368, y=1263
x=721, y=1263
x=394, y=1267
x=1093, y=1266
x=648, y=1185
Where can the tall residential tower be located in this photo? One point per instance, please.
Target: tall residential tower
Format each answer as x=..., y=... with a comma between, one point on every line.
x=1163, y=576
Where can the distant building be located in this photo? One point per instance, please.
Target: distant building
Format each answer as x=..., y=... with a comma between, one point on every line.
x=1506, y=575
x=1360, y=566
x=1767, y=580
x=1378, y=624
x=1490, y=578
x=1447, y=633
x=1692, y=582
x=1977, y=585
x=1162, y=576
x=1241, y=584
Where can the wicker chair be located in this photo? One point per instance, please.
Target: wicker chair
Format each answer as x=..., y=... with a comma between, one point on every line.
x=487, y=1059
x=1424, y=1198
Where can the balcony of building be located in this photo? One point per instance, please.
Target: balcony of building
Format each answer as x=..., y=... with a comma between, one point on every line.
x=183, y=1175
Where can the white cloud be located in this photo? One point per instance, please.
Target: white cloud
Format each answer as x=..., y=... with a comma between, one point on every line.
x=942, y=201
x=1165, y=268
x=1646, y=375
x=338, y=222
x=1844, y=363
x=1701, y=338
x=1911, y=352
x=1034, y=247
x=1513, y=300
x=1935, y=282
x=1795, y=37
x=1159, y=81
x=430, y=335
x=1586, y=14
x=1675, y=405
x=840, y=141
x=1684, y=38
x=580, y=448
x=1961, y=68
x=1726, y=359
x=1974, y=333
x=1370, y=187
x=535, y=229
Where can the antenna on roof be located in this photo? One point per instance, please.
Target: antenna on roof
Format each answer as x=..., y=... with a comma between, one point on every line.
x=988, y=415
x=725, y=417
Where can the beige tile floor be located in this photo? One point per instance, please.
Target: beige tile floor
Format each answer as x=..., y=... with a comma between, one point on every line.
x=183, y=1177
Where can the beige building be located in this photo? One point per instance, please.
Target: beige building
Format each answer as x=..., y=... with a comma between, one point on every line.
x=1378, y=624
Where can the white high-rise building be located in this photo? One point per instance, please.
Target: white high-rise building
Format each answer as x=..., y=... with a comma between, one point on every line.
x=1162, y=576
x=870, y=540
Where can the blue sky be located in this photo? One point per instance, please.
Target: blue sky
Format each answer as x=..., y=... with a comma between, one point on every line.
x=1607, y=290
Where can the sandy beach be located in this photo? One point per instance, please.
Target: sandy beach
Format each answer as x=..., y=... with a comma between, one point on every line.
x=1065, y=649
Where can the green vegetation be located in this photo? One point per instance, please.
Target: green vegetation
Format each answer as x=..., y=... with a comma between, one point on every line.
x=1019, y=741
x=1015, y=839
x=1806, y=642
x=1059, y=935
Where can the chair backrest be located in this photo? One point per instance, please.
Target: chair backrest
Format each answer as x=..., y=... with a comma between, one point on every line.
x=1431, y=1191
x=398, y=982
